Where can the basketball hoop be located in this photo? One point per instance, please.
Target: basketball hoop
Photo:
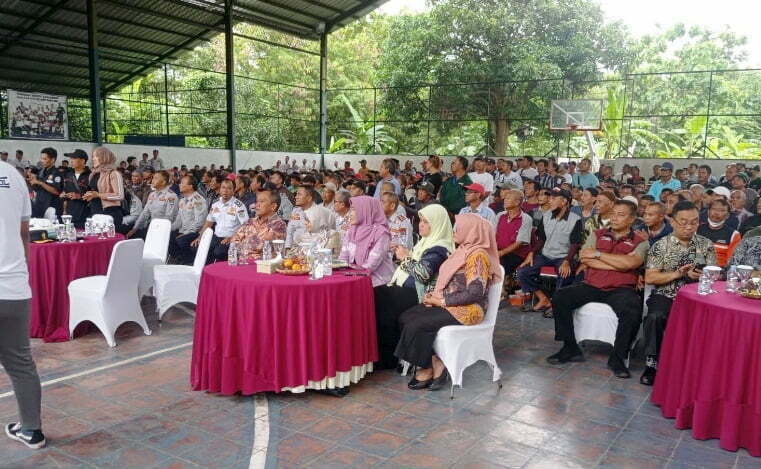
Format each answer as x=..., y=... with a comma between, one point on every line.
x=573, y=126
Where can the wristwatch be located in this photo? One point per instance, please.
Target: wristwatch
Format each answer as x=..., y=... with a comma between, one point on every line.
x=597, y=254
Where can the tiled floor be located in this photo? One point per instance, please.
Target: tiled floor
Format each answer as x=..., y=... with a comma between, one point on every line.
x=143, y=414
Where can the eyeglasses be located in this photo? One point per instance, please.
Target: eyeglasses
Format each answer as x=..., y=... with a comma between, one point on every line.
x=687, y=223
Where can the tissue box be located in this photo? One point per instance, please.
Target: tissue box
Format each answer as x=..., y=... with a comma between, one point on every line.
x=268, y=267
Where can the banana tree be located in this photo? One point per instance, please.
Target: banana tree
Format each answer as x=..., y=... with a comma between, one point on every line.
x=364, y=138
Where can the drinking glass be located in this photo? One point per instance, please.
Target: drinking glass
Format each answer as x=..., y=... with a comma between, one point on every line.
x=745, y=271
x=101, y=229
x=277, y=247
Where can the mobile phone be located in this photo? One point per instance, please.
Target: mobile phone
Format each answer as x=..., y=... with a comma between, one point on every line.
x=699, y=266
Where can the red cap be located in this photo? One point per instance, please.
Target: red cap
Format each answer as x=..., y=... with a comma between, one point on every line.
x=475, y=187
x=231, y=176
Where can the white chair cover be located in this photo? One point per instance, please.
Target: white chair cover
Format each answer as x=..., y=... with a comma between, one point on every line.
x=461, y=346
x=102, y=218
x=179, y=283
x=50, y=214
x=595, y=321
x=39, y=223
x=110, y=300
x=154, y=252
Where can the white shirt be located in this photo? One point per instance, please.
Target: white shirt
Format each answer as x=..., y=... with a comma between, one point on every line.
x=512, y=178
x=15, y=208
x=228, y=216
x=486, y=180
x=529, y=173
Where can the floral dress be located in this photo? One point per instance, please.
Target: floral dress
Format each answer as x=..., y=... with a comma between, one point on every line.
x=466, y=294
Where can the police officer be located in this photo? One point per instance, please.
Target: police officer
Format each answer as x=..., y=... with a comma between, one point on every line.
x=226, y=215
x=162, y=203
x=75, y=185
x=190, y=217
x=46, y=184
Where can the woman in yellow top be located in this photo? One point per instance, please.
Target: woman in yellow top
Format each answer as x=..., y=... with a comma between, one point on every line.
x=460, y=298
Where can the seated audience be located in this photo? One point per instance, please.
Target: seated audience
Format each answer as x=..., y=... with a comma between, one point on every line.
x=474, y=197
x=226, y=216
x=190, y=217
x=414, y=277
x=367, y=242
x=656, y=224
x=752, y=221
x=398, y=223
x=748, y=252
x=161, y=204
x=513, y=232
x=459, y=298
x=671, y=262
x=266, y=226
x=715, y=228
x=586, y=209
x=613, y=256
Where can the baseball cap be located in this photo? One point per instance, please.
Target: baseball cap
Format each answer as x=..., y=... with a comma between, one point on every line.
x=231, y=177
x=427, y=186
x=562, y=193
x=475, y=187
x=756, y=168
x=667, y=165
x=330, y=186
x=506, y=185
x=77, y=154
x=723, y=191
x=631, y=199
x=700, y=186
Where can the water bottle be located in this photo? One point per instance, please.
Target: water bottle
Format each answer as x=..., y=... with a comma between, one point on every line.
x=88, y=227
x=733, y=280
x=232, y=254
x=704, y=283
x=267, y=251
x=111, y=230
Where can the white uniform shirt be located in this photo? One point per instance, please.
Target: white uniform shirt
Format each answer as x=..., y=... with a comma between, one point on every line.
x=401, y=230
x=15, y=208
x=227, y=216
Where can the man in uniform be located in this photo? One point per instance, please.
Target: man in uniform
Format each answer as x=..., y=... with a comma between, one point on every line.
x=191, y=215
x=162, y=203
x=46, y=184
x=613, y=257
x=75, y=184
x=672, y=261
x=399, y=225
x=226, y=215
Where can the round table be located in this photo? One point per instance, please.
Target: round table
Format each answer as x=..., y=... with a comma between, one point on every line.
x=52, y=266
x=709, y=371
x=271, y=332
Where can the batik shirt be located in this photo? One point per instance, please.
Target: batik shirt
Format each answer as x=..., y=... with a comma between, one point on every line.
x=668, y=254
x=257, y=230
x=748, y=252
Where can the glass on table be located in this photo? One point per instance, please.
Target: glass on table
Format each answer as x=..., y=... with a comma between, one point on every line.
x=277, y=247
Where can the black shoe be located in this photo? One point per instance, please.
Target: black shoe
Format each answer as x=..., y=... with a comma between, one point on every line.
x=619, y=368
x=33, y=439
x=337, y=392
x=565, y=355
x=417, y=385
x=439, y=382
x=648, y=376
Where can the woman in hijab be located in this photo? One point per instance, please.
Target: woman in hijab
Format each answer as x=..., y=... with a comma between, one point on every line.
x=321, y=227
x=106, y=186
x=415, y=276
x=367, y=242
x=459, y=298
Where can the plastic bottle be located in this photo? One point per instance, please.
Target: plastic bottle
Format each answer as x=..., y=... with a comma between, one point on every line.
x=232, y=254
x=733, y=280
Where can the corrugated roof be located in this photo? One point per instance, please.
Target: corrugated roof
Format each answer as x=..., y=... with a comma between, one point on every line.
x=43, y=43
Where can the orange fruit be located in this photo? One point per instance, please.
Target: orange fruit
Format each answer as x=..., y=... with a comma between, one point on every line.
x=287, y=263
x=296, y=267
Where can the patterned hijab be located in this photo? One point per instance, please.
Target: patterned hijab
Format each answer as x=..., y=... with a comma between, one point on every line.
x=371, y=226
x=472, y=233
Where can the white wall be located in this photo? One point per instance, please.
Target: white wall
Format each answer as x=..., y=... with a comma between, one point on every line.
x=176, y=156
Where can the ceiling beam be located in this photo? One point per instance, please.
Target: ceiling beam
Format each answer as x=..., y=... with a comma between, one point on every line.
x=165, y=16
x=321, y=5
x=73, y=50
x=56, y=73
x=48, y=61
x=353, y=11
x=36, y=21
x=289, y=9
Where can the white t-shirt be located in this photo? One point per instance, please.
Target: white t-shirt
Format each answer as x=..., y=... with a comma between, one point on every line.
x=486, y=180
x=15, y=208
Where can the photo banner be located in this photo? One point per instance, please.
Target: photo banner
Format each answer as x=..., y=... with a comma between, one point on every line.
x=37, y=116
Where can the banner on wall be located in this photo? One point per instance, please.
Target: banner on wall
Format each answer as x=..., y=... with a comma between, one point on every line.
x=37, y=116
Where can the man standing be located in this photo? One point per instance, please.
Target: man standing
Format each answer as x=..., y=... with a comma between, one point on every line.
x=482, y=178
x=15, y=295
x=161, y=204
x=527, y=171
x=474, y=197
x=612, y=257
x=267, y=226
x=386, y=172
x=665, y=181
x=583, y=178
x=75, y=185
x=191, y=215
x=671, y=262
x=20, y=162
x=226, y=216
x=157, y=163
x=453, y=189
x=47, y=184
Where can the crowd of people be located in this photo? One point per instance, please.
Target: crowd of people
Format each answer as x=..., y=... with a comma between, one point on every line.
x=433, y=238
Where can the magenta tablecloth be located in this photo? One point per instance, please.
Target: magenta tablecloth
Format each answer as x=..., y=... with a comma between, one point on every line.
x=268, y=332
x=52, y=266
x=709, y=372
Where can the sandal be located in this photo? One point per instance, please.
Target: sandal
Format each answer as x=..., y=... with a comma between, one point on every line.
x=548, y=313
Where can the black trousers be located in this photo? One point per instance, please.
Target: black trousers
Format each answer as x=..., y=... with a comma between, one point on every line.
x=390, y=303
x=625, y=302
x=217, y=250
x=117, y=215
x=654, y=326
x=420, y=324
x=180, y=249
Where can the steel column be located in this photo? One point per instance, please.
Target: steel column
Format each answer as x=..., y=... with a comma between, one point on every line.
x=230, y=82
x=93, y=60
x=323, y=97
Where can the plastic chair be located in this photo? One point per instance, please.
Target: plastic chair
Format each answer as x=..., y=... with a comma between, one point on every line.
x=461, y=346
x=179, y=283
x=110, y=300
x=154, y=252
x=102, y=218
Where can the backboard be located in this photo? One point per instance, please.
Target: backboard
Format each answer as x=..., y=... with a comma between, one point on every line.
x=576, y=114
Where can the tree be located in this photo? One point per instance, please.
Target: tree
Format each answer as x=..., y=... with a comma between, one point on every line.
x=517, y=44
